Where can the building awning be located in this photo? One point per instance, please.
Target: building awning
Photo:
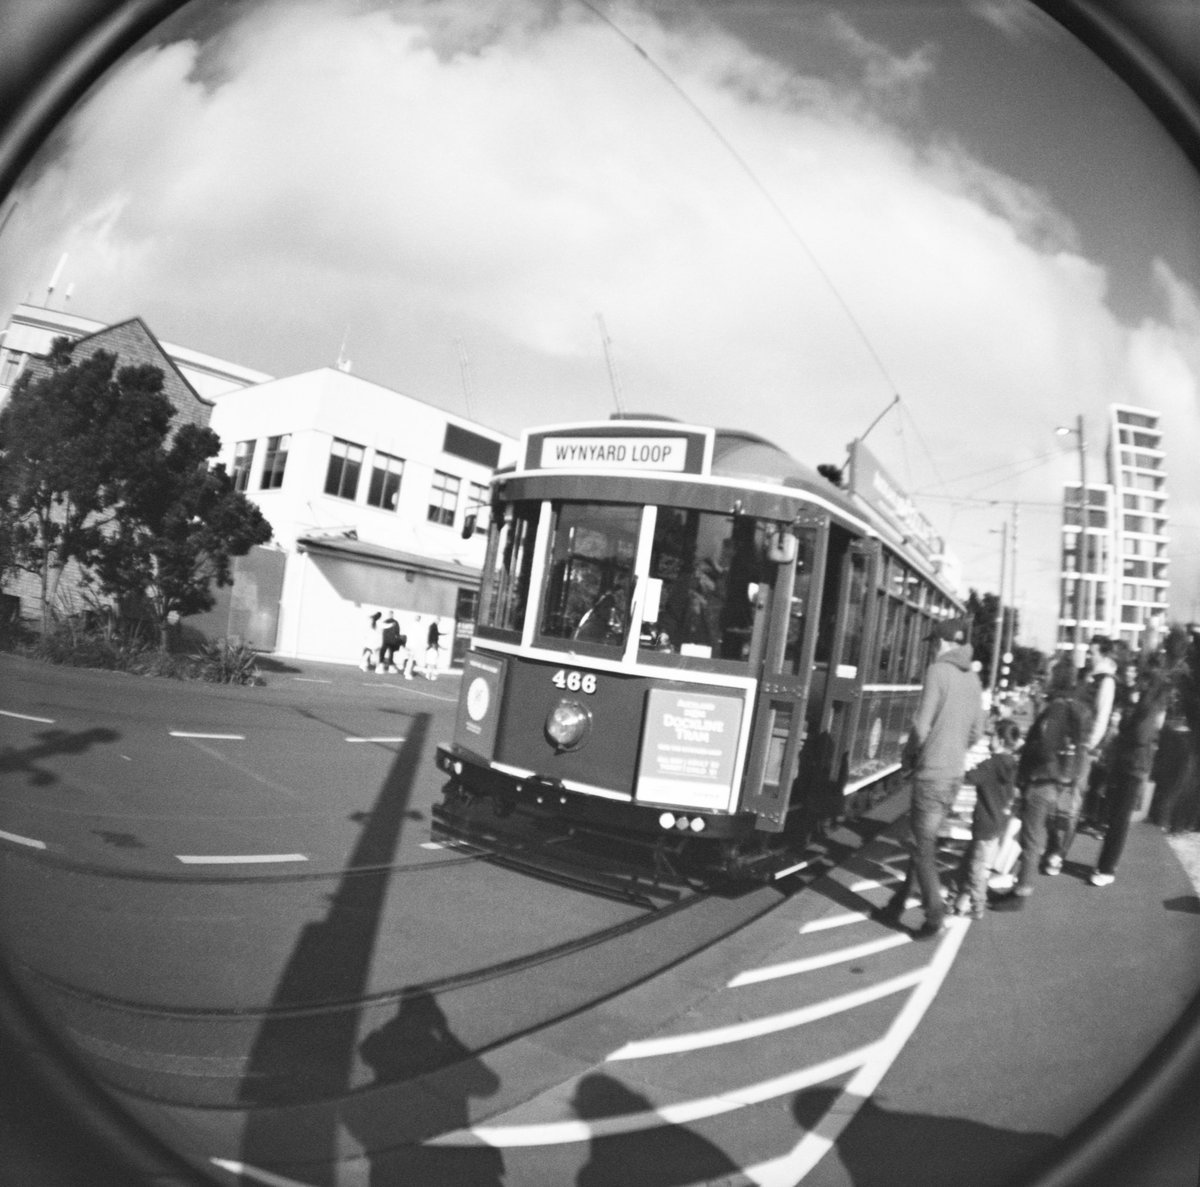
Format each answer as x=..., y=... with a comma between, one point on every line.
x=348, y=548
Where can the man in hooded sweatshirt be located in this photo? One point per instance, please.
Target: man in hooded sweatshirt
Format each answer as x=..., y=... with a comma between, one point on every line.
x=948, y=722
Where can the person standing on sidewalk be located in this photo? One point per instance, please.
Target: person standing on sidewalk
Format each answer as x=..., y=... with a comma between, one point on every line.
x=948, y=722
x=994, y=781
x=1047, y=774
x=1133, y=756
x=1099, y=697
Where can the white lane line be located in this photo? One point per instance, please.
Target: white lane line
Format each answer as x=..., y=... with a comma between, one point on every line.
x=379, y=739
x=557, y=1133
x=252, y=1172
x=27, y=717
x=17, y=839
x=741, y=1031
x=794, y=968
x=791, y=1168
x=310, y=680
x=233, y=859
x=832, y=921
x=208, y=737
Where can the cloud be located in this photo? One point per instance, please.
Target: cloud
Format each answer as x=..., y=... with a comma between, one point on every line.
x=767, y=245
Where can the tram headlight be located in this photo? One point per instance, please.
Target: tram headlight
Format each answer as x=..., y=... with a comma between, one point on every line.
x=568, y=725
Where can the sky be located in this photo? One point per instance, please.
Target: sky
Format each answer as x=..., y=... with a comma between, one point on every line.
x=948, y=227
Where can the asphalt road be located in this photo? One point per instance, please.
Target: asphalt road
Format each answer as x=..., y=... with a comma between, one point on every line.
x=225, y=901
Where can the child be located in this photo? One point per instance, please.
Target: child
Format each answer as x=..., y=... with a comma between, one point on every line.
x=994, y=781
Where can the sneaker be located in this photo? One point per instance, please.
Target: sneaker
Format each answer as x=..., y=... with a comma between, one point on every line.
x=1054, y=865
x=930, y=928
x=1099, y=879
x=963, y=905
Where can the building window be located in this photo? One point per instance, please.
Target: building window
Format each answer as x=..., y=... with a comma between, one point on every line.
x=443, y=498
x=478, y=505
x=345, y=465
x=275, y=461
x=10, y=367
x=243, y=459
x=384, y=490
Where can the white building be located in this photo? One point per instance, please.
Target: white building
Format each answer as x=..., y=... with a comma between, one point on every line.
x=1122, y=553
x=31, y=330
x=367, y=492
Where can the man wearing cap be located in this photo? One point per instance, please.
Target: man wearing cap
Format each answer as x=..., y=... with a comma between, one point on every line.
x=948, y=722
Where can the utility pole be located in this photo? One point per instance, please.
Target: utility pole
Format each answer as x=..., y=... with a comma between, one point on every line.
x=1081, y=549
x=997, y=637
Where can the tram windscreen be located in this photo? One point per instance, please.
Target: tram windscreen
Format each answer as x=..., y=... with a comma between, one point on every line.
x=589, y=579
x=709, y=570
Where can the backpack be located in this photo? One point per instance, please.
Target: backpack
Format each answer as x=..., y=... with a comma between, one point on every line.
x=1054, y=747
x=391, y=635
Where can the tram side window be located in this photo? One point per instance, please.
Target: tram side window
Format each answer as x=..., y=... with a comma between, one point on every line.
x=706, y=571
x=589, y=579
x=507, y=594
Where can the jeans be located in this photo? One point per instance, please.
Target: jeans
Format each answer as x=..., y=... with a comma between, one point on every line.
x=1040, y=804
x=976, y=866
x=1123, y=792
x=1065, y=821
x=932, y=800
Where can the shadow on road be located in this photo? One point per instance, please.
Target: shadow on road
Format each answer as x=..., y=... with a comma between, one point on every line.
x=881, y=1147
x=51, y=743
x=307, y=1055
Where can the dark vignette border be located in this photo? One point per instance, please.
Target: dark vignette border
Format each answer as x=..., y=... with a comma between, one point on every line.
x=54, y=50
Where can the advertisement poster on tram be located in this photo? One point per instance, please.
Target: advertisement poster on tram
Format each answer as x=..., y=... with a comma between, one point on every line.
x=688, y=748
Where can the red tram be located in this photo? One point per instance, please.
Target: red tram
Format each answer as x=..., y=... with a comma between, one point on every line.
x=687, y=640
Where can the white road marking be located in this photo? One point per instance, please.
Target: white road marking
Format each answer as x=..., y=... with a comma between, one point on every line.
x=381, y=739
x=794, y=968
x=792, y=1167
x=27, y=717
x=741, y=1031
x=832, y=921
x=557, y=1133
x=230, y=859
x=310, y=680
x=208, y=737
x=251, y=1172
x=16, y=839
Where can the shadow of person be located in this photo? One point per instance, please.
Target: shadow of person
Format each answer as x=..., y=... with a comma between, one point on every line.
x=418, y=1045
x=621, y=1159
x=883, y=1148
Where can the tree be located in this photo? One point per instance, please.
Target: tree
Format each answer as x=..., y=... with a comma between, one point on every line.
x=70, y=440
x=181, y=524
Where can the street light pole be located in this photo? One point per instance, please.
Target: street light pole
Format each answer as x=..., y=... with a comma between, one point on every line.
x=1081, y=549
x=999, y=628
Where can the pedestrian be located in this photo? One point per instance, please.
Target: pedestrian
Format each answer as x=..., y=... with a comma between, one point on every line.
x=1098, y=694
x=1047, y=776
x=1133, y=756
x=370, y=644
x=994, y=781
x=948, y=721
x=389, y=644
x=433, y=649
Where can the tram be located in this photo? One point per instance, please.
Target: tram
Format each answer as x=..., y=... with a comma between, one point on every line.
x=689, y=642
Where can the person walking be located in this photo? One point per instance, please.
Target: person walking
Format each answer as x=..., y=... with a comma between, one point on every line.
x=994, y=781
x=433, y=649
x=947, y=723
x=1133, y=756
x=390, y=644
x=370, y=644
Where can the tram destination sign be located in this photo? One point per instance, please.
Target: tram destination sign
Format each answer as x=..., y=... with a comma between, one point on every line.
x=871, y=482
x=608, y=449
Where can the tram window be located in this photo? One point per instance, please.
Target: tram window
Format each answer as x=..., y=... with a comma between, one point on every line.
x=890, y=643
x=801, y=595
x=711, y=571
x=856, y=612
x=593, y=547
x=508, y=592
